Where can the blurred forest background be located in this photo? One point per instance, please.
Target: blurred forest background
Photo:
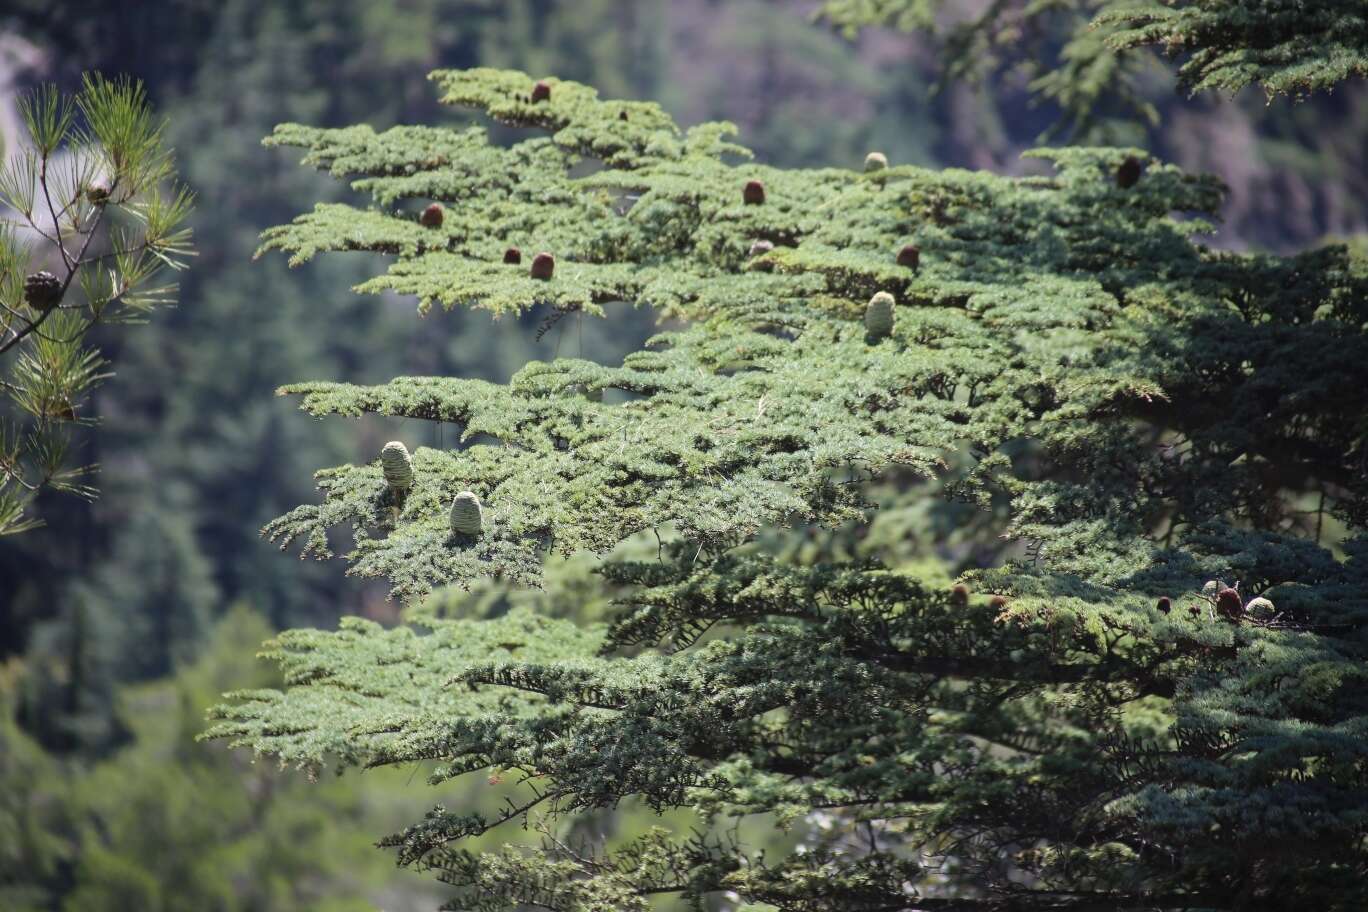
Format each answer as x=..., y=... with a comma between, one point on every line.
x=122, y=619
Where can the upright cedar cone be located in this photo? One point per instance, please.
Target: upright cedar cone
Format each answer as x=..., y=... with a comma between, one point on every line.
x=432, y=216
x=397, y=465
x=42, y=290
x=513, y=255
x=878, y=318
x=875, y=161
x=1128, y=173
x=466, y=516
x=1229, y=605
x=543, y=266
x=960, y=594
x=910, y=256
x=1165, y=604
x=541, y=92
x=754, y=193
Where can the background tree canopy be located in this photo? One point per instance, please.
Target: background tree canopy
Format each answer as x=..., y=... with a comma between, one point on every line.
x=197, y=454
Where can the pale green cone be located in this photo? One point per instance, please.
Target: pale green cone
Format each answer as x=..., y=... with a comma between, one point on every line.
x=397, y=465
x=878, y=317
x=466, y=516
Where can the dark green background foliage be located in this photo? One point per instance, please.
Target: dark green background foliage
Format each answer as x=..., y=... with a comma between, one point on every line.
x=1071, y=382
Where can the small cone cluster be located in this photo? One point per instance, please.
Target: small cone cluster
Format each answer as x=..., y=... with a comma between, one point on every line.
x=397, y=465
x=466, y=516
x=878, y=318
x=541, y=92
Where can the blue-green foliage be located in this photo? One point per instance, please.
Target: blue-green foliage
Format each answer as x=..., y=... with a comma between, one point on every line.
x=1152, y=413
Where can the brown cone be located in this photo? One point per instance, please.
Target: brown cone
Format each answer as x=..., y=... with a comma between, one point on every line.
x=1128, y=174
x=543, y=266
x=1229, y=605
x=432, y=216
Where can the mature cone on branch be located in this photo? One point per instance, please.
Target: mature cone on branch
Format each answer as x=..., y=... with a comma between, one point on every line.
x=1128, y=173
x=432, y=216
x=42, y=290
x=543, y=266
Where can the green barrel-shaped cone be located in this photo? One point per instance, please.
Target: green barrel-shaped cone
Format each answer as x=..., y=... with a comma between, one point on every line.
x=397, y=465
x=466, y=516
x=878, y=316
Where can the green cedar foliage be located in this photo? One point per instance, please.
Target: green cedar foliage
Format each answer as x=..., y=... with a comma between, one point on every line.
x=93, y=221
x=1114, y=721
x=1091, y=55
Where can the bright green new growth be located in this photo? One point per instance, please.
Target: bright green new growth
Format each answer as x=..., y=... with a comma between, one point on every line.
x=1067, y=366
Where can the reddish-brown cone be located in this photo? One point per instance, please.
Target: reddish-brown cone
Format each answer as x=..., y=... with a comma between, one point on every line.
x=622, y=115
x=1229, y=605
x=960, y=594
x=1165, y=604
x=543, y=266
x=998, y=601
x=754, y=193
x=513, y=255
x=910, y=256
x=1128, y=174
x=541, y=92
x=432, y=216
